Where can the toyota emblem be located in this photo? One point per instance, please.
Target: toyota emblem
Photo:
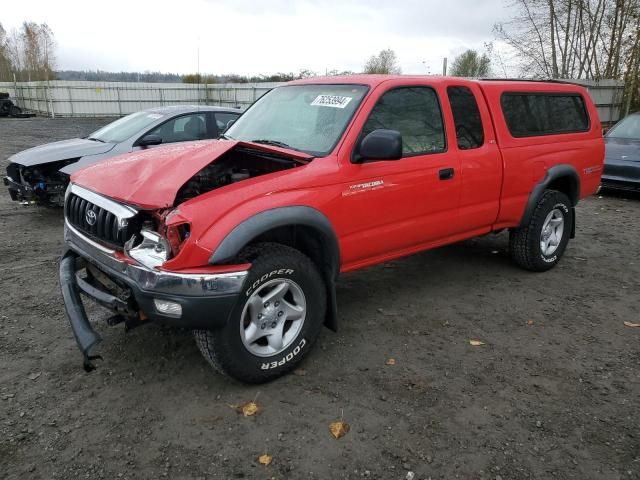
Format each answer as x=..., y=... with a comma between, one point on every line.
x=91, y=217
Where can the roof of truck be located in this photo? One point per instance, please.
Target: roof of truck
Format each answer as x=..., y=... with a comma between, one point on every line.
x=375, y=80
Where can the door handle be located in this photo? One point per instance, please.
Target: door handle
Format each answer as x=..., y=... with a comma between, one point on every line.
x=446, y=173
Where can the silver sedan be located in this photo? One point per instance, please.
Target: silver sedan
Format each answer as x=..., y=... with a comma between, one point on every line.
x=41, y=174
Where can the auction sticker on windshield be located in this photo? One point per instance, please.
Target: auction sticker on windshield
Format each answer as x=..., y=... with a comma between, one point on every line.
x=335, y=101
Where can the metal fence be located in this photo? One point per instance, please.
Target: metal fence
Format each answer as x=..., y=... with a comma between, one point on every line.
x=608, y=96
x=106, y=99
x=114, y=99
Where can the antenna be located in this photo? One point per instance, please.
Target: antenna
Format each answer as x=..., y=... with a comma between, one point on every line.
x=198, y=76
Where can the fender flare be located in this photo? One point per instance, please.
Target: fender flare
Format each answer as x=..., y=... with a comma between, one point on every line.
x=554, y=173
x=262, y=222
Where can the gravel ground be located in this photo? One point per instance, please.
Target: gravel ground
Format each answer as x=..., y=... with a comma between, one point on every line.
x=553, y=394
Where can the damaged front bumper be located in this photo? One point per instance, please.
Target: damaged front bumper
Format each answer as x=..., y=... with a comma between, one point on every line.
x=137, y=294
x=41, y=193
x=18, y=191
x=45, y=187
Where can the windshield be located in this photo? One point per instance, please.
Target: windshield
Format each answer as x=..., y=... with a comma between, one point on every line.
x=627, y=128
x=125, y=127
x=310, y=118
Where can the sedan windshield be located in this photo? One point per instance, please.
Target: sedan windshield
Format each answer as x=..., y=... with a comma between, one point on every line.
x=125, y=127
x=627, y=128
x=309, y=118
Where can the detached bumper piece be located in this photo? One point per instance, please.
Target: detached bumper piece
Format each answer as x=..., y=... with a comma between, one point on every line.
x=86, y=336
x=137, y=294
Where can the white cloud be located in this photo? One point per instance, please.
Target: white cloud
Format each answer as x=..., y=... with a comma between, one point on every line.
x=251, y=37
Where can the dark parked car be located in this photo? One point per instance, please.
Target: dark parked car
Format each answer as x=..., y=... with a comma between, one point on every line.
x=622, y=161
x=41, y=174
x=7, y=107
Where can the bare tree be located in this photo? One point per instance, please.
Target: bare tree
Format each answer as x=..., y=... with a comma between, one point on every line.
x=471, y=64
x=6, y=64
x=632, y=73
x=590, y=39
x=38, y=45
x=384, y=63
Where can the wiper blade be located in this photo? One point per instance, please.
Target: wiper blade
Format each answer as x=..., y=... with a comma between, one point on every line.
x=96, y=139
x=274, y=143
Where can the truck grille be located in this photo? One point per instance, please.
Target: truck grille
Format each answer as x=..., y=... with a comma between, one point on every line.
x=98, y=222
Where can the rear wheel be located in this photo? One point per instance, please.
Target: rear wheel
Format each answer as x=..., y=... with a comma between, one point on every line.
x=539, y=245
x=276, y=321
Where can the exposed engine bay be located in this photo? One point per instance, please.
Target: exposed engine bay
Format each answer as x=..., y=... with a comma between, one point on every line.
x=234, y=166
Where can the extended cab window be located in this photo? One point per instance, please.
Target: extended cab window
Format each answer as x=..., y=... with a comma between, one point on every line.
x=415, y=113
x=469, y=131
x=533, y=114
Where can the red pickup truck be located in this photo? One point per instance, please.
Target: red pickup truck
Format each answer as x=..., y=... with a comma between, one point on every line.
x=242, y=239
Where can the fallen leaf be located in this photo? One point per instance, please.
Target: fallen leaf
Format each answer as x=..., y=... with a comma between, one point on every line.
x=249, y=409
x=476, y=343
x=265, y=459
x=301, y=372
x=632, y=325
x=390, y=361
x=529, y=322
x=33, y=376
x=339, y=429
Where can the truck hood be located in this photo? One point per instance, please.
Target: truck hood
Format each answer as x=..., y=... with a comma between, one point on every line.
x=622, y=149
x=150, y=179
x=63, y=150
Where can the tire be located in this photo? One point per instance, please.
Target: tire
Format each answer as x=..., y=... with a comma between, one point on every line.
x=526, y=243
x=275, y=268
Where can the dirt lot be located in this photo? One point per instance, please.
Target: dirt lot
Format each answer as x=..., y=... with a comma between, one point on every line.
x=554, y=393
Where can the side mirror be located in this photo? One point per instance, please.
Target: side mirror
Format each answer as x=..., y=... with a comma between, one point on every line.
x=149, y=140
x=380, y=144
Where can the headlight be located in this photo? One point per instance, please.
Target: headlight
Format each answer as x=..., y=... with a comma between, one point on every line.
x=153, y=251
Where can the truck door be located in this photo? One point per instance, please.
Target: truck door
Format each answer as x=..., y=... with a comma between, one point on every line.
x=393, y=207
x=481, y=162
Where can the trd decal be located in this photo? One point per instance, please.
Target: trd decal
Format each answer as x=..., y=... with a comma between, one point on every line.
x=592, y=169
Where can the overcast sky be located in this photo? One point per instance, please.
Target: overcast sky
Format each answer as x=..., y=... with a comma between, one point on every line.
x=253, y=36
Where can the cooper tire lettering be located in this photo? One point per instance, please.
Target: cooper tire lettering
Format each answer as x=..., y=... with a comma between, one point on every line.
x=267, y=276
x=287, y=358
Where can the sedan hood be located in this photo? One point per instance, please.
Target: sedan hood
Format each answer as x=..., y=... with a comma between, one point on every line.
x=56, y=151
x=151, y=179
x=622, y=149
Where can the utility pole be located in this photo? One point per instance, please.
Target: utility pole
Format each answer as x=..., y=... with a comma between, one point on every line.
x=444, y=67
x=46, y=72
x=199, y=78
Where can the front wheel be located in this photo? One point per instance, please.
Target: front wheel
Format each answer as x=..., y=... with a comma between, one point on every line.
x=276, y=321
x=539, y=245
